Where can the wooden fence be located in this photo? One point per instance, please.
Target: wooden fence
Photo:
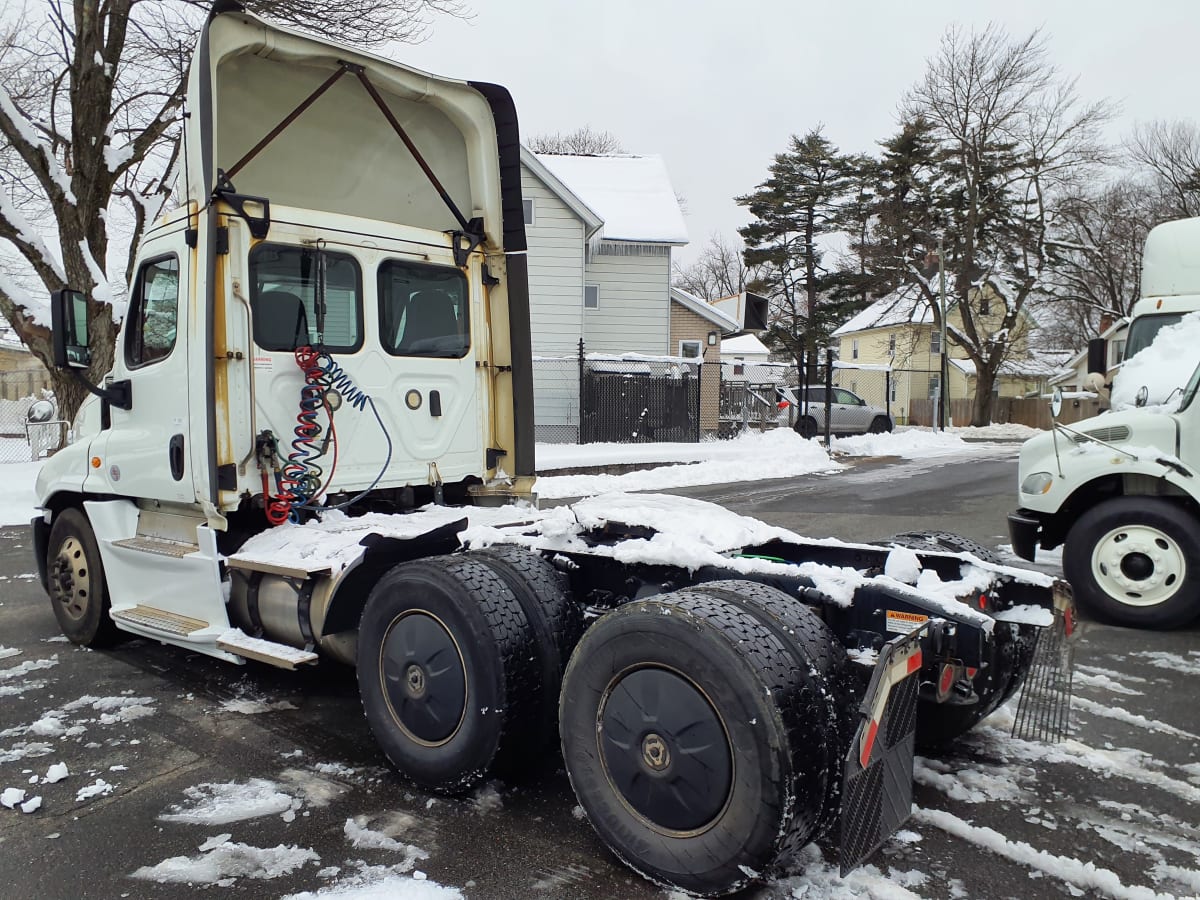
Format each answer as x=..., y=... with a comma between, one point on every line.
x=23, y=383
x=1034, y=411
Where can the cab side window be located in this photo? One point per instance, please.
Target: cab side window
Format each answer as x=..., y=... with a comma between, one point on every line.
x=153, y=318
x=423, y=310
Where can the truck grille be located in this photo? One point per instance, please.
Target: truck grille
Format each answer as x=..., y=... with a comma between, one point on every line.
x=1109, y=435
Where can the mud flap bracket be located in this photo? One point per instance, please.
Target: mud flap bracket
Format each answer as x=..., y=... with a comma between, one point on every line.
x=877, y=782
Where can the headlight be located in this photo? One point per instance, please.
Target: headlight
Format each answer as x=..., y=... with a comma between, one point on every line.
x=1037, y=483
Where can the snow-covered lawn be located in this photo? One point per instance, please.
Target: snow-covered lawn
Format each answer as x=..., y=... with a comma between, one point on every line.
x=17, y=500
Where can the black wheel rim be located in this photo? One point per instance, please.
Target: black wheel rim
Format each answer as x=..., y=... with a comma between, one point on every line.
x=424, y=678
x=665, y=750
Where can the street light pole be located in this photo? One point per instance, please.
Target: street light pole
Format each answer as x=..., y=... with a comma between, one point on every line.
x=943, y=387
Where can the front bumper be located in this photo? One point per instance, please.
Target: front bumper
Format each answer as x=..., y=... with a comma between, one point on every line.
x=1023, y=530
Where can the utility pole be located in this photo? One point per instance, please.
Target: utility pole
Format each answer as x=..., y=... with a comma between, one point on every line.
x=943, y=387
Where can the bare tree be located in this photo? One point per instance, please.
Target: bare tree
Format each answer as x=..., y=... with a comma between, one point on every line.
x=580, y=142
x=720, y=271
x=90, y=109
x=1017, y=139
x=1170, y=151
x=1099, y=243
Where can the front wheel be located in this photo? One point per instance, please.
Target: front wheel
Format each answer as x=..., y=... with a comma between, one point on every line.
x=1136, y=561
x=75, y=582
x=806, y=427
x=881, y=425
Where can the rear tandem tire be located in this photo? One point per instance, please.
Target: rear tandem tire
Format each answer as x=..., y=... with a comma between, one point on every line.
x=943, y=542
x=556, y=624
x=696, y=739
x=75, y=582
x=447, y=671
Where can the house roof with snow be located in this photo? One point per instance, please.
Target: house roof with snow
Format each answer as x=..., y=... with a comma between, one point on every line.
x=905, y=306
x=1047, y=364
x=744, y=345
x=632, y=195
x=705, y=310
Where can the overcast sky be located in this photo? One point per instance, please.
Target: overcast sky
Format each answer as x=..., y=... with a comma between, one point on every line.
x=716, y=88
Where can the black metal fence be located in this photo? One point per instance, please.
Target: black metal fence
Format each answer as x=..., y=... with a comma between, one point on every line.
x=628, y=399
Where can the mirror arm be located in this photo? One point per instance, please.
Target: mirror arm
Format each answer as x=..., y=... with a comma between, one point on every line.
x=118, y=393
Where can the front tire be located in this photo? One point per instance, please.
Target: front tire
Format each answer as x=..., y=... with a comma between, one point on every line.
x=1135, y=561
x=881, y=425
x=806, y=427
x=75, y=582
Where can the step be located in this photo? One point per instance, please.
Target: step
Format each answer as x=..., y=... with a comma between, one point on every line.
x=239, y=643
x=159, y=546
x=159, y=619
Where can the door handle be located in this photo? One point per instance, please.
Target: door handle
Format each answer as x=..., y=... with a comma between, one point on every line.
x=175, y=455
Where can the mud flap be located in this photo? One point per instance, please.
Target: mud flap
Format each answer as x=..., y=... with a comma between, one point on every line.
x=1044, y=710
x=877, y=784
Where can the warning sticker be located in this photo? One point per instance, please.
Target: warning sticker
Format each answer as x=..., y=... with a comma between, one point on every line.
x=904, y=622
x=264, y=362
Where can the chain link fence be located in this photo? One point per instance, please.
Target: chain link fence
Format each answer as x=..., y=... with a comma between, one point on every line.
x=598, y=398
x=30, y=428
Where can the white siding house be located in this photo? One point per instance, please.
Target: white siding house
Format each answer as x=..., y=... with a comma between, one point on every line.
x=600, y=232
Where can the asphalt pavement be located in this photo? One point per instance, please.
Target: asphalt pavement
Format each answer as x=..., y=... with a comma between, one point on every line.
x=153, y=722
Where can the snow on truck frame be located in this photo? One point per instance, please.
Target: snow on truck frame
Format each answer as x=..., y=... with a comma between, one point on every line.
x=317, y=439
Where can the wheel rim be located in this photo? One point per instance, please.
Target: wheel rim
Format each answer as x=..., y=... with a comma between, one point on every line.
x=424, y=678
x=71, y=579
x=1138, y=565
x=665, y=750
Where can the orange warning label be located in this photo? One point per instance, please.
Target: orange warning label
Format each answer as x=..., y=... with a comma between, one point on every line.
x=904, y=622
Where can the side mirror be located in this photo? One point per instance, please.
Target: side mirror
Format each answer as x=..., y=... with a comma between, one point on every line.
x=1056, y=400
x=1097, y=351
x=69, y=329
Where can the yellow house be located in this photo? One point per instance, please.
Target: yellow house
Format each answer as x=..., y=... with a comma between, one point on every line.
x=897, y=331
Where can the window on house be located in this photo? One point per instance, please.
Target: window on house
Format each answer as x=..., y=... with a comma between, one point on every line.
x=527, y=207
x=591, y=296
x=1118, y=352
x=301, y=295
x=153, y=312
x=935, y=342
x=423, y=310
x=985, y=305
x=893, y=390
x=892, y=343
x=854, y=349
x=691, y=349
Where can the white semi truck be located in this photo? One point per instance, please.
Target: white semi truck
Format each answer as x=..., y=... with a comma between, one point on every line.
x=1119, y=491
x=316, y=443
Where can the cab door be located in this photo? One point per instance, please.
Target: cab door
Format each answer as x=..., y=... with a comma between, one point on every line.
x=145, y=451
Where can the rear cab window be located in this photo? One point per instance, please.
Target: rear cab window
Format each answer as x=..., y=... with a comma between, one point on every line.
x=305, y=296
x=423, y=310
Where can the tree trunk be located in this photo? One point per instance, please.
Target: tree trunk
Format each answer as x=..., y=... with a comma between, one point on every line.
x=981, y=409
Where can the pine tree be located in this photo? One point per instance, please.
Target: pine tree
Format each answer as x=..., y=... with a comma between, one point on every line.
x=797, y=206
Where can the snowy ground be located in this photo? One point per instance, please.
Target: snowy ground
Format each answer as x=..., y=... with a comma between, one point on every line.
x=255, y=782
x=754, y=456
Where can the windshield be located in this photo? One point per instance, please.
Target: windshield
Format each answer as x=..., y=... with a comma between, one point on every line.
x=1143, y=329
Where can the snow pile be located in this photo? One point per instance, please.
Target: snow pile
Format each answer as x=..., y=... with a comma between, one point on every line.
x=56, y=773
x=1163, y=368
x=18, y=503
x=30, y=665
x=220, y=804
x=1009, y=431
x=911, y=443
x=6, y=652
x=779, y=453
x=99, y=788
x=223, y=863
x=382, y=883
x=251, y=707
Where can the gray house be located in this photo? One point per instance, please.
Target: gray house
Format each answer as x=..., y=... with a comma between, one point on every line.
x=600, y=231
